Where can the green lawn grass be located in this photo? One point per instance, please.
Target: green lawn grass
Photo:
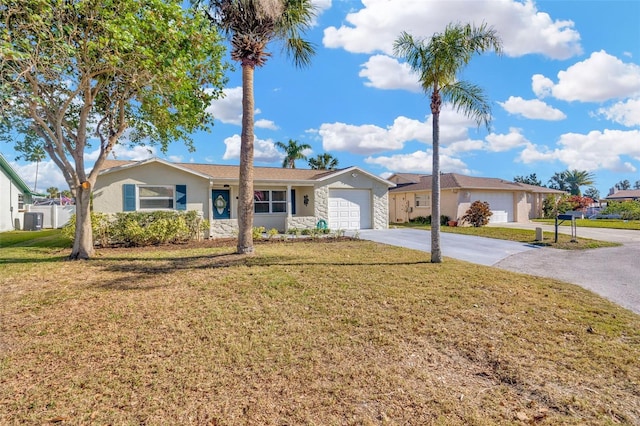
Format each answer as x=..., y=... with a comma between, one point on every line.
x=311, y=332
x=597, y=223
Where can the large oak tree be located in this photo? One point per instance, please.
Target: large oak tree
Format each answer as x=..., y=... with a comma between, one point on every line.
x=80, y=74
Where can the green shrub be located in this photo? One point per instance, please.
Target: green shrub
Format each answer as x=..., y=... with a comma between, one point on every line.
x=444, y=219
x=257, y=232
x=628, y=210
x=272, y=233
x=143, y=228
x=422, y=220
x=100, y=226
x=478, y=214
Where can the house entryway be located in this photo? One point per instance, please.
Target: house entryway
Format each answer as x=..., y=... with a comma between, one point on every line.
x=221, y=205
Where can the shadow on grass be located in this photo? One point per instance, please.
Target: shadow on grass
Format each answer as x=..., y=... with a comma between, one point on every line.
x=143, y=269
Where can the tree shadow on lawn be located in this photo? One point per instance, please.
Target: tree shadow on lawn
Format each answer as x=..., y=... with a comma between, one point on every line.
x=139, y=270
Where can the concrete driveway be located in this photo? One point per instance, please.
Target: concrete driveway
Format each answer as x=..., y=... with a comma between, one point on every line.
x=612, y=272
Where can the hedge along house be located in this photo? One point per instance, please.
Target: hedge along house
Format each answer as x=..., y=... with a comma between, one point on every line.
x=346, y=199
x=14, y=197
x=508, y=201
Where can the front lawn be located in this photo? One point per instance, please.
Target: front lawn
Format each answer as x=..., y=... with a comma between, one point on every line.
x=314, y=332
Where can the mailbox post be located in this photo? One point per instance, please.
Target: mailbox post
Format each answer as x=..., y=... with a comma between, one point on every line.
x=574, y=231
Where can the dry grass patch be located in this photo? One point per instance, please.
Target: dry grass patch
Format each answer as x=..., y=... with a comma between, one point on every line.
x=347, y=332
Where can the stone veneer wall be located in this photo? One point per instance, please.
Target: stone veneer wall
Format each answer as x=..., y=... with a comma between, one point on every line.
x=380, y=207
x=301, y=222
x=223, y=228
x=321, y=209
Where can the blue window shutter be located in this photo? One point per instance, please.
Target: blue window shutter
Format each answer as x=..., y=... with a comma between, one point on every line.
x=128, y=197
x=181, y=197
x=293, y=201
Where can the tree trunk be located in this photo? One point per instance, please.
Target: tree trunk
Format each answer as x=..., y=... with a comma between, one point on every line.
x=83, y=243
x=436, y=252
x=245, y=190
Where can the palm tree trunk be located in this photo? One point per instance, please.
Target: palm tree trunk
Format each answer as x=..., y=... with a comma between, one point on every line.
x=245, y=190
x=436, y=252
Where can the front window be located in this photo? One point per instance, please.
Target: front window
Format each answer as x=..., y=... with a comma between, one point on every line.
x=422, y=200
x=270, y=201
x=156, y=197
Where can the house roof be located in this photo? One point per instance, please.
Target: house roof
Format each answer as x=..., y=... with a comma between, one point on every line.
x=457, y=181
x=13, y=175
x=231, y=172
x=624, y=194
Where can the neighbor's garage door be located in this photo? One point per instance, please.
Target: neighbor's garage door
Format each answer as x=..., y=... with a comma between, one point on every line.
x=349, y=209
x=500, y=203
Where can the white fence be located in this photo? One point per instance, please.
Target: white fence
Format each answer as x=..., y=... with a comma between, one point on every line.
x=53, y=216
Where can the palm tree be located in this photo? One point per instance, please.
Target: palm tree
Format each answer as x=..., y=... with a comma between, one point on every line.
x=251, y=25
x=577, y=178
x=324, y=161
x=293, y=152
x=438, y=62
x=558, y=181
x=53, y=192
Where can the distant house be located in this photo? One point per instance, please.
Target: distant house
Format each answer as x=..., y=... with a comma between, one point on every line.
x=623, y=195
x=509, y=201
x=14, y=195
x=343, y=199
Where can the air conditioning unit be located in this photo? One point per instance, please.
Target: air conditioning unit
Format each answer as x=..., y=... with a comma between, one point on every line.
x=33, y=221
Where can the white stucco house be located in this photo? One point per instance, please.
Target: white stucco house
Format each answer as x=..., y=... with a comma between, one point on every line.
x=344, y=199
x=14, y=196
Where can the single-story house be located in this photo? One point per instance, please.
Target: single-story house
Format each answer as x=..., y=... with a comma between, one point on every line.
x=623, y=195
x=509, y=201
x=14, y=195
x=345, y=199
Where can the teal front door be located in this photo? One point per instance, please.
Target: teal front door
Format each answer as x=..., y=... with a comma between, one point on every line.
x=221, y=206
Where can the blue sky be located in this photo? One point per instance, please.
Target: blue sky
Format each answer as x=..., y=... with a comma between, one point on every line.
x=565, y=94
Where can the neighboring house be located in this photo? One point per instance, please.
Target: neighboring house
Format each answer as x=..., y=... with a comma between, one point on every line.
x=509, y=201
x=14, y=195
x=284, y=198
x=623, y=194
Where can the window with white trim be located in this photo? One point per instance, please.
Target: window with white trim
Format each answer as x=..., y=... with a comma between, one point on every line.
x=156, y=197
x=422, y=200
x=266, y=201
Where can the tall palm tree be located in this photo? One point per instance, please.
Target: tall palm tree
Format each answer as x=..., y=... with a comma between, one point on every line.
x=577, y=178
x=293, y=151
x=438, y=62
x=251, y=25
x=324, y=161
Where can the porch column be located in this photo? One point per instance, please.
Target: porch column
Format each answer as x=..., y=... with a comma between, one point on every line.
x=288, y=201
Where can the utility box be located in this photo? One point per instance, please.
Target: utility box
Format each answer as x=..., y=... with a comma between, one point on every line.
x=33, y=221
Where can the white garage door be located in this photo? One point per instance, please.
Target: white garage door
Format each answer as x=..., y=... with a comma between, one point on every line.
x=349, y=209
x=500, y=203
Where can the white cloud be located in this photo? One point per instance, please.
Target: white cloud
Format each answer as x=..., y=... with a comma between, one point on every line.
x=418, y=162
x=228, y=109
x=501, y=142
x=264, y=151
x=533, y=108
x=593, y=151
x=48, y=175
x=541, y=85
x=370, y=139
x=522, y=27
x=625, y=113
x=599, y=78
x=266, y=124
x=462, y=146
x=384, y=72
x=176, y=158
